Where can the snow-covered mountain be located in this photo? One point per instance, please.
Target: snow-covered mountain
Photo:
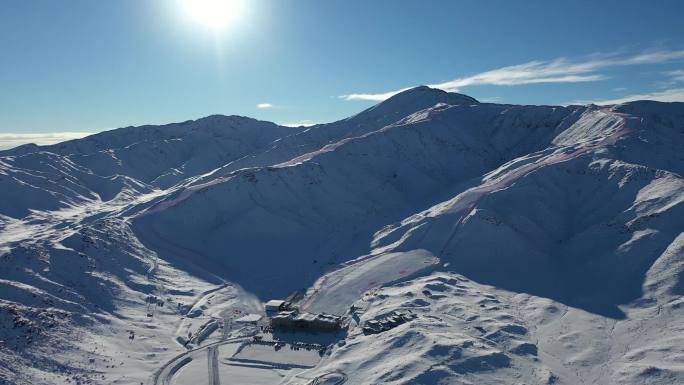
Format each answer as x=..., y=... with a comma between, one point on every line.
x=542, y=244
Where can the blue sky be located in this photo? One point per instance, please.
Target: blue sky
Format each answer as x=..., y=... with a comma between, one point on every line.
x=82, y=65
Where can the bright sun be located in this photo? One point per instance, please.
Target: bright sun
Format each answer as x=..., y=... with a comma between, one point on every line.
x=213, y=13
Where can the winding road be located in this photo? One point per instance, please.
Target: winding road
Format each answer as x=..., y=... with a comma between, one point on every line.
x=340, y=381
x=164, y=374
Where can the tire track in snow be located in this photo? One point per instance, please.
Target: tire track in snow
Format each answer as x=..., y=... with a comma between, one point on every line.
x=212, y=362
x=164, y=375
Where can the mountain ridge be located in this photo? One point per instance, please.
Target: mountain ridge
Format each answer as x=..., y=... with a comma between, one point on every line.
x=488, y=208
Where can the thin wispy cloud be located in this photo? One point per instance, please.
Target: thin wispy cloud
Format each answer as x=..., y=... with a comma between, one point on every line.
x=264, y=105
x=676, y=75
x=374, y=97
x=560, y=70
x=301, y=123
x=10, y=140
x=652, y=57
x=671, y=95
x=491, y=99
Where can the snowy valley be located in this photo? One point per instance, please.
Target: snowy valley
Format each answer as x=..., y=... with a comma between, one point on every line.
x=521, y=244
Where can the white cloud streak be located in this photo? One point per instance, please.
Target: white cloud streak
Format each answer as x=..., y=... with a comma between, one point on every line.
x=671, y=95
x=264, y=105
x=676, y=75
x=560, y=70
x=374, y=97
x=301, y=123
x=652, y=57
x=10, y=140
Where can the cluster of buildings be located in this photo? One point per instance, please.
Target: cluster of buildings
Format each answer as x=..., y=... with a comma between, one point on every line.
x=293, y=319
x=276, y=305
x=284, y=316
x=387, y=322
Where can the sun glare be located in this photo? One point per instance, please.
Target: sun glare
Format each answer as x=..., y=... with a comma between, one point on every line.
x=213, y=13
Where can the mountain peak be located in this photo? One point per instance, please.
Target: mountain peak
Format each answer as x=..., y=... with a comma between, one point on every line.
x=440, y=96
x=410, y=101
x=220, y=118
